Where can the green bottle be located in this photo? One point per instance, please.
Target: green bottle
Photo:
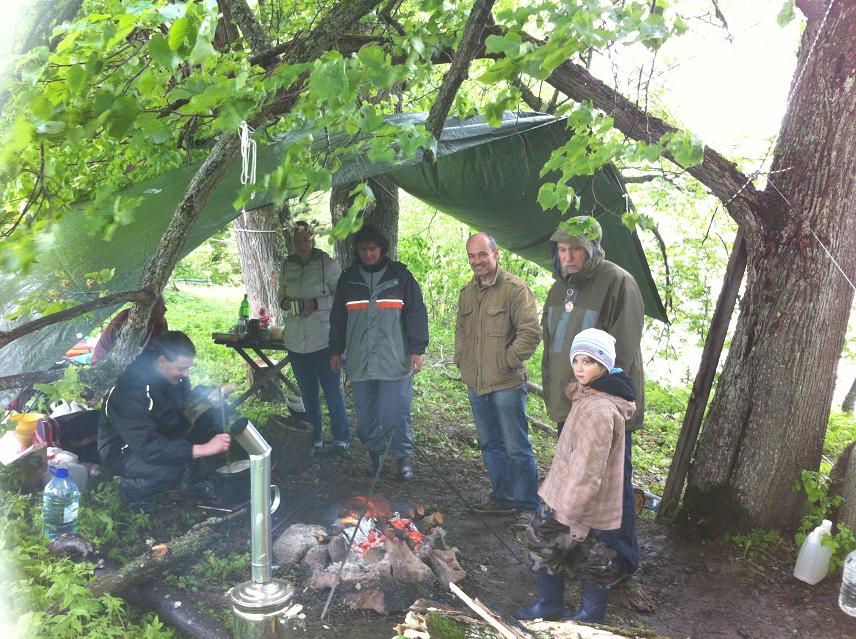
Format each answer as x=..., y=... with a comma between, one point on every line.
x=244, y=310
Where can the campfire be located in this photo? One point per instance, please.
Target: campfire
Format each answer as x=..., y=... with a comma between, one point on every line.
x=381, y=523
x=378, y=556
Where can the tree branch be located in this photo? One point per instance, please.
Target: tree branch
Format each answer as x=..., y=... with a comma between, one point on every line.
x=7, y=337
x=248, y=23
x=719, y=175
x=471, y=43
x=529, y=97
x=24, y=380
x=157, y=271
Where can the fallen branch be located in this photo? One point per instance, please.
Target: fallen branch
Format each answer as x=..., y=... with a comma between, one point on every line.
x=532, y=387
x=7, y=337
x=485, y=613
x=179, y=611
x=161, y=558
x=422, y=611
x=544, y=428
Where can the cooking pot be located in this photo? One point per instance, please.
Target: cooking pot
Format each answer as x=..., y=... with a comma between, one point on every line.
x=232, y=482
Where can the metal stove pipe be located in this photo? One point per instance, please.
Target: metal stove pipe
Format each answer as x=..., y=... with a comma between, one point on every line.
x=260, y=541
x=259, y=605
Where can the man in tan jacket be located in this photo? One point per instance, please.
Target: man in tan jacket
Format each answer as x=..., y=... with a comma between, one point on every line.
x=496, y=332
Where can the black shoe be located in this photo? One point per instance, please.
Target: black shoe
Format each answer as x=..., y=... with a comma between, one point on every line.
x=490, y=508
x=405, y=470
x=336, y=450
x=205, y=493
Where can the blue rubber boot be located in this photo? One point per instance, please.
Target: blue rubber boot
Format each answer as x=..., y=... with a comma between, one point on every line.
x=592, y=603
x=550, y=603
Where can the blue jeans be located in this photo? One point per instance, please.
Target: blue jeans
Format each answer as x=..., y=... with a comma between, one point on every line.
x=312, y=370
x=503, y=434
x=383, y=411
x=623, y=539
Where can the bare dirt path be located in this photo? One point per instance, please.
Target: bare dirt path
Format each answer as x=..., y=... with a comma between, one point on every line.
x=685, y=587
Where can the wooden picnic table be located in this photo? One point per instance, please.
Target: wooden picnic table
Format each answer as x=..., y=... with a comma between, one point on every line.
x=271, y=374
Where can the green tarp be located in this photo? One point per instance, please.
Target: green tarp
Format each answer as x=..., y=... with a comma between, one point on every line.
x=487, y=177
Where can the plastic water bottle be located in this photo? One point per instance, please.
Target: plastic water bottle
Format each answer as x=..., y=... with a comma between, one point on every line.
x=847, y=596
x=60, y=505
x=813, y=561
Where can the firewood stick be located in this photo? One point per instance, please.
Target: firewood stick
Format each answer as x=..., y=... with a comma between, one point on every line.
x=482, y=612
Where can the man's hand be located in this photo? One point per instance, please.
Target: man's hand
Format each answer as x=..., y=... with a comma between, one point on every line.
x=309, y=307
x=335, y=363
x=214, y=446
x=221, y=392
x=415, y=363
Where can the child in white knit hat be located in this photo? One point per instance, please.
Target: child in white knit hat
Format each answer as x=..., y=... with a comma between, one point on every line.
x=582, y=494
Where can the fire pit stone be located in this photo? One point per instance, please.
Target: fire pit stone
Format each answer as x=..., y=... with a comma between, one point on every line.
x=316, y=556
x=291, y=546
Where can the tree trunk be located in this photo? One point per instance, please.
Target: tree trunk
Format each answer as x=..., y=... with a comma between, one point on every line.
x=849, y=399
x=261, y=248
x=383, y=214
x=768, y=418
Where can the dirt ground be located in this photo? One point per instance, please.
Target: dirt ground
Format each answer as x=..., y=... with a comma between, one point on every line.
x=684, y=588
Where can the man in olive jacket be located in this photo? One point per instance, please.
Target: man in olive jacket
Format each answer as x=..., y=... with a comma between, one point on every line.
x=496, y=332
x=592, y=292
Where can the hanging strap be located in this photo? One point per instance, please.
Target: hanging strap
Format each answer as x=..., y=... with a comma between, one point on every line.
x=248, y=156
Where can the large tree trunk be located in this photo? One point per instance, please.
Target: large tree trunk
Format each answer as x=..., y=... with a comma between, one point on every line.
x=768, y=419
x=384, y=215
x=849, y=399
x=261, y=249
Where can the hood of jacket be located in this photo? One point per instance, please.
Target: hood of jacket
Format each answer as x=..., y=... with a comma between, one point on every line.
x=596, y=257
x=315, y=254
x=617, y=383
x=621, y=382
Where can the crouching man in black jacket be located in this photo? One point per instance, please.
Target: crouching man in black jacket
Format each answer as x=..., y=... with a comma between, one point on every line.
x=147, y=433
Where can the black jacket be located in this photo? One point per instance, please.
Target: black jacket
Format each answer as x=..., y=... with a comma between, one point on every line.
x=146, y=413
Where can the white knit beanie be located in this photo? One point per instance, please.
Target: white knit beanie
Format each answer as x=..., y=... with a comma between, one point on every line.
x=597, y=344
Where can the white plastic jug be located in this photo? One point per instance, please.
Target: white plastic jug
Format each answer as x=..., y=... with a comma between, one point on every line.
x=813, y=560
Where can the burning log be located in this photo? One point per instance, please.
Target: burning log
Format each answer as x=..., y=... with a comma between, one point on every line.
x=434, y=519
x=445, y=565
x=406, y=566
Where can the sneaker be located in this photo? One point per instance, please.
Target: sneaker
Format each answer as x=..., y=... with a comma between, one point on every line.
x=318, y=446
x=405, y=470
x=522, y=521
x=338, y=450
x=490, y=508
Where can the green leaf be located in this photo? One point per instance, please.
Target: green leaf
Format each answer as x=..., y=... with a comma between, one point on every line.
x=76, y=77
x=377, y=67
x=686, y=149
x=121, y=115
x=501, y=70
x=548, y=198
x=162, y=53
x=202, y=50
x=786, y=14
x=178, y=32
x=508, y=44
